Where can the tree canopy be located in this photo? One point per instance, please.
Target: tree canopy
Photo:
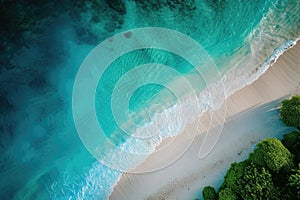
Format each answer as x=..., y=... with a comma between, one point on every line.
x=264, y=175
x=209, y=193
x=292, y=142
x=233, y=175
x=272, y=171
x=294, y=180
x=272, y=154
x=227, y=194
x=290, y=111
x=257, y=183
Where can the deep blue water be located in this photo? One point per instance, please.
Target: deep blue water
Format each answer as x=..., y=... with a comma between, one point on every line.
x=42, y=156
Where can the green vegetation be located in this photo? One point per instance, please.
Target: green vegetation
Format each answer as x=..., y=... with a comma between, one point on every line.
x=257, y=183
x=233, y=175
x=252, y=178
x=290, y=111
x=292, y=142
x=271, y=153
x=209, y=193
x=272, y=171
x=227, y=194
x=294, y=181
x=269, y=173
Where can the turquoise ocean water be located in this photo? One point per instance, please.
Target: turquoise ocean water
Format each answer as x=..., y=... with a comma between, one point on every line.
x=42, y=156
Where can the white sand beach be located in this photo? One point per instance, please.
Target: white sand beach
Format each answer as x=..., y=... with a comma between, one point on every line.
x=252, y=115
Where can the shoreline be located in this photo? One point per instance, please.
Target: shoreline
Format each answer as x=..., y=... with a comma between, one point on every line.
x=187, y=175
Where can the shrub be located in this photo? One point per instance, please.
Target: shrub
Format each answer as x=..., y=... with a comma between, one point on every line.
x=271, y=154
x=257, y=183
x=294, y=181
x=292, y=142
x=232, y=176
x=227, y=194
x=290, y=111
x=209, y=193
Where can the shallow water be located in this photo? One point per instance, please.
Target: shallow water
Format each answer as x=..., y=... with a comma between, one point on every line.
x=42, y=156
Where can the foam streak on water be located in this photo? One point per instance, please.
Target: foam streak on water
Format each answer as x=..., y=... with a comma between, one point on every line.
x=261, y=51
x=244, y=38
x=100, y=180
